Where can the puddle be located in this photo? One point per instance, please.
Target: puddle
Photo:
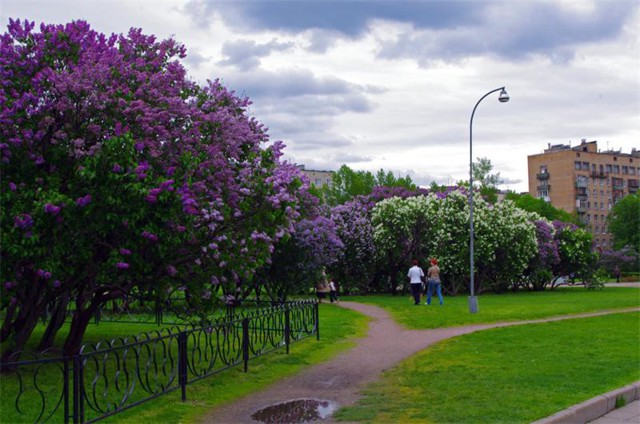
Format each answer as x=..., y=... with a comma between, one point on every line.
x=296, y=411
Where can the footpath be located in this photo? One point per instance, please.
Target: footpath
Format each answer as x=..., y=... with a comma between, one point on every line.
x=339, y=382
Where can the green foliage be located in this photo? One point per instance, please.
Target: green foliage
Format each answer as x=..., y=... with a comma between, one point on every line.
x=542, y=208
x=481, y=171
x=624, y=222
x=348, y=183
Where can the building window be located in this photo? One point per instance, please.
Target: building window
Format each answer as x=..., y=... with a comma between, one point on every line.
x=616, y=169
x=543, y=169
x=595, y=218
x=593, y=168
x=597, y=230
x=608, y=168
x=543, y=194
x=625, y=170
x=585, y=166
x=632, y=170
x=577, y=165
x=602, y=218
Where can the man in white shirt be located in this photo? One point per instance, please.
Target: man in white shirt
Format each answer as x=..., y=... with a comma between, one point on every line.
x=415, y=275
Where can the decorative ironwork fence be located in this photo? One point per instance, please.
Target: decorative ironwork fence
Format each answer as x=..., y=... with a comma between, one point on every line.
x=109, y=377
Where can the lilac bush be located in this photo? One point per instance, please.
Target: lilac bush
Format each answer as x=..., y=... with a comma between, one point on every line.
x=356, y=267
x=299, y=260
x=120, y=175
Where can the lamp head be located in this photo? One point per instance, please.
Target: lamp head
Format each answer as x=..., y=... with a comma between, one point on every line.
x=504, y=97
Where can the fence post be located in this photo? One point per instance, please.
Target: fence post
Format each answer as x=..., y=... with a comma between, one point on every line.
x=158, y=313
x=65, y=389
x=316, y=316
x=245, y=343
x=182, y=363
x=287, y=327
x=78, y=393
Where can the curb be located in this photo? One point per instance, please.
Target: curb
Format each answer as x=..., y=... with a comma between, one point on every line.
x=594, y=408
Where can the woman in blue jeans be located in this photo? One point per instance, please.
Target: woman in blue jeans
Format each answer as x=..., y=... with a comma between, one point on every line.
x=433, y=280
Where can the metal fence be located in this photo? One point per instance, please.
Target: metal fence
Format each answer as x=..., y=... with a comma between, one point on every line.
x=106, y=378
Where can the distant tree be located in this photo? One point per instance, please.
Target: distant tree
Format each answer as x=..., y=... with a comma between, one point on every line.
x=625, y=260
x=542, y=208
x=481, y=171
x=624, y=222
x=347, y=184
x=486, y=181
x=577, y=258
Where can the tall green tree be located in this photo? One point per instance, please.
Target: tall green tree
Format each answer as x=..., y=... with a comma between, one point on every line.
x=624, y=222
x=487, y=182
x=347, y=183
x=542, y=208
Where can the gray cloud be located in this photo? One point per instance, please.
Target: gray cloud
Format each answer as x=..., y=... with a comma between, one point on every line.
x=514, y=31
x=348, y=17
x=440, y=30
x=246, y=54
x=301, y=92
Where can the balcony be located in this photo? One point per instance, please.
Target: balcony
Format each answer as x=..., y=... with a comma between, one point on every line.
x=598, y=174
x=582, y=183
x=581, y=209
x=543, y=176
x=544, y=187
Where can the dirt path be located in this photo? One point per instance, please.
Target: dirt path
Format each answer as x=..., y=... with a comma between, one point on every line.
x=341, y=379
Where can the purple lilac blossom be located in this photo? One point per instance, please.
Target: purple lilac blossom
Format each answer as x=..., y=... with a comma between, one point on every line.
x=83, y=201
x=52, y=209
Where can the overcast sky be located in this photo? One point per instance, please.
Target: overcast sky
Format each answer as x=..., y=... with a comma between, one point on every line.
x=392, y=84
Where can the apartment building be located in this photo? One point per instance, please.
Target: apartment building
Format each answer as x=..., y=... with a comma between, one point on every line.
x=317, y=178
x=585, y=180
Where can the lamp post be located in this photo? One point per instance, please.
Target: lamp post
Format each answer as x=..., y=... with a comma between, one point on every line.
x=503, y=97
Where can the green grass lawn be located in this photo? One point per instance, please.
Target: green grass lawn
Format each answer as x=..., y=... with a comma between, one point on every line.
x=504, y=307
x=507, y=375
x=480, y=376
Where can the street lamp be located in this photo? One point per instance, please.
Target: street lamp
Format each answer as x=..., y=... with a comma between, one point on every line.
x=503, y=98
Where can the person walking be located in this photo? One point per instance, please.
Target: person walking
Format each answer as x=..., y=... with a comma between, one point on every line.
x=415, y=275
x=333, y=290
x=433, y=281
